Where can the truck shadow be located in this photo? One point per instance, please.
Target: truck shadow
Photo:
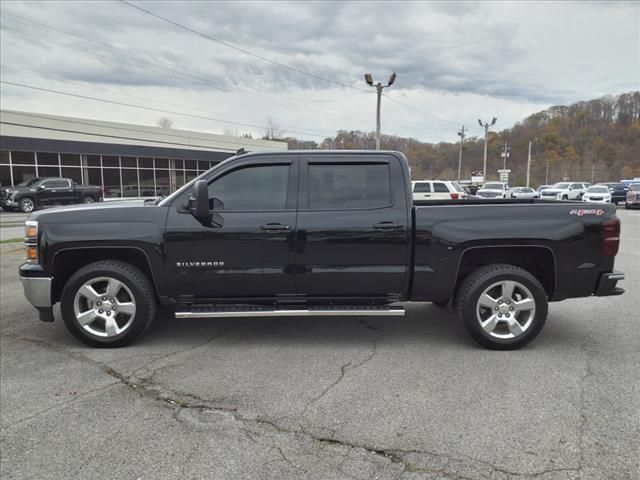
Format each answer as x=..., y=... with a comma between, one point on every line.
x=423, y=323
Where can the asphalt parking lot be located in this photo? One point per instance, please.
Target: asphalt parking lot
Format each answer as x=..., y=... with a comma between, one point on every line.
x=317, y=398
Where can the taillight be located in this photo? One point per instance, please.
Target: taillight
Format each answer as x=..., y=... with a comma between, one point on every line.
x=610, y=237
x=454, y=196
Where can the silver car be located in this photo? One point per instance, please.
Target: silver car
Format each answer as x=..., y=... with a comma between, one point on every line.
x=524, y=192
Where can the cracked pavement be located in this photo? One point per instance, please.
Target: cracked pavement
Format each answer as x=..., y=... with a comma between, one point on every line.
x=321, y=398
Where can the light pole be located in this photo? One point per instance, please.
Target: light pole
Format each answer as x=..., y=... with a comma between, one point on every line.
x=379, y=87
x=486, y=126
x=462, y=135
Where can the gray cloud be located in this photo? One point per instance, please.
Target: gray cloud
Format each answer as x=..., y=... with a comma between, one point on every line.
x=525, y=53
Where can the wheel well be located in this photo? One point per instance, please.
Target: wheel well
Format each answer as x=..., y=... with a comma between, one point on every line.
x=67, y=262
x=538, y=261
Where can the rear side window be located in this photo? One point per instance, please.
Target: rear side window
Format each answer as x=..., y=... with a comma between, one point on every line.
x=262, y=187
x=344, y=186
x=457, y=187
x=440, y=187
x=422, y=187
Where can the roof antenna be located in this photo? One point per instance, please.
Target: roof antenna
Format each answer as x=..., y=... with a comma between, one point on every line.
x=240, y=151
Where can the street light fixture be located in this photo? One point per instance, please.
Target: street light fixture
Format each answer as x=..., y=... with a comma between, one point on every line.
x=379, y=87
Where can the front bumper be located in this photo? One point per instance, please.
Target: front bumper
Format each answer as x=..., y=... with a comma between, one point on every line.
x=607, y=284
x=37, y=290
x=8, y=203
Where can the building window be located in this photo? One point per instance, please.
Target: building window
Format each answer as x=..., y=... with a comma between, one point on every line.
x=75, y=174
x=146, y=162
x=147, y=187
x=129, y=162
x=130, y=182
x=23, y=173
x=93, y=177
x=5, y=175
x=44, y=171
x=46, y=158
x=69, y=160
x=93, y=161
x=22, y=158
x=112, y=187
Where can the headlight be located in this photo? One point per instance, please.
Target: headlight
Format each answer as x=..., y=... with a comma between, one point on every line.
x=31, y=241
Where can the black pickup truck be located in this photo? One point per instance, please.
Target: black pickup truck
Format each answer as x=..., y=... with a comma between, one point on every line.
x=39, y=192
x=316, y=233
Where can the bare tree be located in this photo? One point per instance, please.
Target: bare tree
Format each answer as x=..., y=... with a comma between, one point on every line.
x=165, y=122
x=273, y=130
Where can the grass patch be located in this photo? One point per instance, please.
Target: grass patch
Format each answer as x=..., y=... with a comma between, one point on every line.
x=12, y=240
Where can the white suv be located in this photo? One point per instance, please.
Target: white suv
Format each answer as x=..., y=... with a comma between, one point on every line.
x=437, y=190
x=493, y=190
x=565, y=191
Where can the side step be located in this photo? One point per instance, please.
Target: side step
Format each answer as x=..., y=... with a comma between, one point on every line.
x=293, y=311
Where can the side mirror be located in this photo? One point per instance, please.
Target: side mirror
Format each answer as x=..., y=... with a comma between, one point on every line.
x=41, y=187
x=201, y=193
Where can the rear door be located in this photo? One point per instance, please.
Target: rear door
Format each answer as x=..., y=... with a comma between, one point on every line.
x=353, y=227
x=422, y=190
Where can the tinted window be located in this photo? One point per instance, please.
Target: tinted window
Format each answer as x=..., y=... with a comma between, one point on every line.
x=422, y=187
x=440, y=187
x=333, y=186
x=254, y=188
x=598, y=189
x=56, y=183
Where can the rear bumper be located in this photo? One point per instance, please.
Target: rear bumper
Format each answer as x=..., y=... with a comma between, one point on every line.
x=607, y=284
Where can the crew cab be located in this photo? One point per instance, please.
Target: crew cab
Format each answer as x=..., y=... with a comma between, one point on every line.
x=39, y=192
x=316, y=233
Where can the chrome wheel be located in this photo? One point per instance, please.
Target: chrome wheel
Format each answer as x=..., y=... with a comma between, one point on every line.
x=506, y=309
x=27, y=205
x=104, y=306
x=88, y=200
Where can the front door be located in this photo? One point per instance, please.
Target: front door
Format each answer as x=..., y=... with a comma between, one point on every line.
x=248, y=250
x=353, y=227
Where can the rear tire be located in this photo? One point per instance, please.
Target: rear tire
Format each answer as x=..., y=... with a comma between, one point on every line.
x=503, y=307
x=108, y=304
x=88, y=199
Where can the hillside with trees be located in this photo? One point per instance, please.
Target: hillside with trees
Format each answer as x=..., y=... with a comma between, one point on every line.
x=596, y=140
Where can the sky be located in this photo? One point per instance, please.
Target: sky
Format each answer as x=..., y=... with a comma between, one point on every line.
x=229, y=67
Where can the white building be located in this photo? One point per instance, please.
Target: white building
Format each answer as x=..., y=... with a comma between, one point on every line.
x=127, y=160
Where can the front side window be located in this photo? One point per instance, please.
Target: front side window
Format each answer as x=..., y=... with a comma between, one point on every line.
x=261, y=187
x=345, y=186
x=440, y=187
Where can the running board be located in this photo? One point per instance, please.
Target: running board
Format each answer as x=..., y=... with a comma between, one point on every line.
x=312, y=311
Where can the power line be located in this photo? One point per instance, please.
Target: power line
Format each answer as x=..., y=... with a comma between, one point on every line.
x=205, y=81
x=239, y=49
x=142, y=107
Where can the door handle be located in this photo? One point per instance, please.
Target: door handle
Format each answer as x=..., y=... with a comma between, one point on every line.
x=275, y=227
x=387, y=226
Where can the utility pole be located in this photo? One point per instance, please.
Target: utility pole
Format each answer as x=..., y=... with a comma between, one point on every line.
x=379, y=87
x=486, y=126
x=505, y=154
x=546, y=173
x=529, y=162
x=462, y=135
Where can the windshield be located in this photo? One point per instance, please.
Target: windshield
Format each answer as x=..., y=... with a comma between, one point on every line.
x=598, y=190
x=492, y=186
x=29, y=183
x=635, y=188
x=561, y=186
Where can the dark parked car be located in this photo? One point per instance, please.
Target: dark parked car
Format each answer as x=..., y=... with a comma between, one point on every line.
x=39, y=192
x=617, y=190
x=316, y=233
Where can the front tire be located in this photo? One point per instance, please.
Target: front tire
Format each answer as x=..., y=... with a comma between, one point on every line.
x=27, y=205
x=108, y=304
x=88, y=199
x=503, y=307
